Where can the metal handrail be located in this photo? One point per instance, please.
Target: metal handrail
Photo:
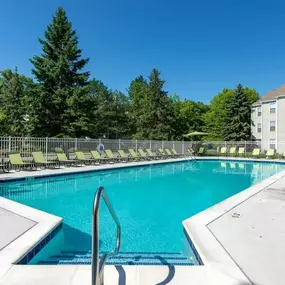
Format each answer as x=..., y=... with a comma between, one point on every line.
x=98, y=265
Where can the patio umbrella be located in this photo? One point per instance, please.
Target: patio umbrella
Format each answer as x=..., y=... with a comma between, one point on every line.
x=193, y=134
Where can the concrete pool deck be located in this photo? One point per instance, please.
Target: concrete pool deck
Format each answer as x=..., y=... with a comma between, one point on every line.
x=227, y=236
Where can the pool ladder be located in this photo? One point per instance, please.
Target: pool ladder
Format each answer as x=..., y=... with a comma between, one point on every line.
x=97, y=265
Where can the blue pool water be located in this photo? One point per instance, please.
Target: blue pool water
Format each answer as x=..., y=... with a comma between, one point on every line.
x=151, y=202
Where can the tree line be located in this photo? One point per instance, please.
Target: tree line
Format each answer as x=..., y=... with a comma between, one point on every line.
x=61, y=100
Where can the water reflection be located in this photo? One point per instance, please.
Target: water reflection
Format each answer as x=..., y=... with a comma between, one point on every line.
x=71, y=184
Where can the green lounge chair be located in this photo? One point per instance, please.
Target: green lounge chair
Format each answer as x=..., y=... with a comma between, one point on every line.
x=111, y=156
x=152, y=154
x=133, y=154
x=123, y=155
x=162, y=153
x=169, y=153
x=223, y=150
x=80, y=156
x=256, y=152
x=175, y=153
x=201, y=150
x=241, y=151
x=143, y=154
x=189, y=151
x=270, y=153
x=62, y=158
x=17, y=162
x=233, y=151
x=40, y=160
x=97, y=157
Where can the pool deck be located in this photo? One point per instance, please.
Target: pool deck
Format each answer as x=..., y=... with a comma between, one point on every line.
x=240, y=240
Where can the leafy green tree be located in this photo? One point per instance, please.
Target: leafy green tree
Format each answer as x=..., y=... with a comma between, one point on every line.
x=188, y=117
x=58, y=70
x=14, y=92
x=237, y=121
x=215, y=117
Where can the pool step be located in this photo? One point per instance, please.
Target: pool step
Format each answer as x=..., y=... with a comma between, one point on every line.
x=123, y=258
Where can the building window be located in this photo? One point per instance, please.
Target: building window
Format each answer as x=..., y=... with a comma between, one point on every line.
x=273, y=108
x=259, y=127
x=259, y=111
x=272, y=143
x=272, y=126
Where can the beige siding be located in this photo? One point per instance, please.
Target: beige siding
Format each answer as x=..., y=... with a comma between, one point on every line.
x=255, y=121
x=281, y=124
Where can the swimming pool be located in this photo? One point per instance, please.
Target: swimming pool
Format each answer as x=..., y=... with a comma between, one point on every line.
x=151, y=202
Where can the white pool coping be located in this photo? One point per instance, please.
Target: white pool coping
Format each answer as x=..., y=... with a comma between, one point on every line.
x=217, y=263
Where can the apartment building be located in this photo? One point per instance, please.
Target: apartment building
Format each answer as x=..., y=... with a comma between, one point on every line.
x=268, y=120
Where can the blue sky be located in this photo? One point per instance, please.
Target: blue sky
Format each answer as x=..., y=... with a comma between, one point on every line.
x=200, y=46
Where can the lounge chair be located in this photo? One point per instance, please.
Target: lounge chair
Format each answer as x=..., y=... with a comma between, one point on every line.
x=241, y=151
x=256, y=152
x=162, y=153
x=97, y=157
x=175, y=153
x=189, y=151
x=133, y=154
x=111, y=156
x=143, y=154
x=223, y=150
x=152, y=154
x=233, y=151
x=270, y=153
x=169, y=153
x=40, y=160
x=201, y=151
x=17, y=162
x=123, y=155
x=62, y=158
x=80, y=156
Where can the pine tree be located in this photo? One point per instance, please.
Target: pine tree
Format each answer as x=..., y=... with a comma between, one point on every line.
x=137, y=94
x=237, y=122
x=58, y=71
x=158, y=115
x=14, y=90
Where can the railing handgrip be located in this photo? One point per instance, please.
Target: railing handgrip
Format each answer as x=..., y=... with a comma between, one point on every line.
x=98, y=265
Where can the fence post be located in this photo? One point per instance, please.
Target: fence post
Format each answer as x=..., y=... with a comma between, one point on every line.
x=150, y=144
x=136, y=145
x=244, y=147
x=119, y=143
x=9, y=144
x=162, y=144
x=46, y=148
x=75, y=144
x=183, y=148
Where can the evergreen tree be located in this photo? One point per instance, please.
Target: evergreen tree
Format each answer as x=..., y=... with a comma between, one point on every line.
x=137, y=94
x=108, y=112
x=58, y=70
x=157, y=113
x=14, y=90
x=237, y=121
